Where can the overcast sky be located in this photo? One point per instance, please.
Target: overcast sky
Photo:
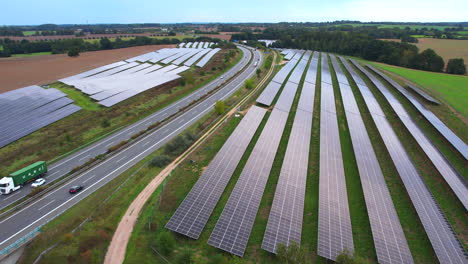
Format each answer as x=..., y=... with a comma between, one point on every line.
x=32, y=12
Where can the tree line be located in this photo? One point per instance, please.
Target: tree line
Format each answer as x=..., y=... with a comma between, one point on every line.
x=79, y=45
x=358, y=44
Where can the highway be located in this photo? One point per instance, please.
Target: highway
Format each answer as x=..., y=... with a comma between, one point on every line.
x=46, y=208
x=63, y=167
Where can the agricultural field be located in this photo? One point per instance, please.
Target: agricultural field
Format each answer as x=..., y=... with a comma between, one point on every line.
x=48, y=68
x=446, y=48
x=397, y=26
x=179, y=37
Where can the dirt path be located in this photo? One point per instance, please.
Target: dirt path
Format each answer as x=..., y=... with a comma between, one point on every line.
x=118, y=246
x=19, y=72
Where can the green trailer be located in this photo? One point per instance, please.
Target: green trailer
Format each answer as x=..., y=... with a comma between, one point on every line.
x=16, y=179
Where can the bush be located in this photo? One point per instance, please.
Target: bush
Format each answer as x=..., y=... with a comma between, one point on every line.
x=105, y=123
x=160, y=161
x=219, y=107
x=291, y=254
x=456, y=66
x=165, y=243
x=249, y=84
x=74, y=52
x=179, y=144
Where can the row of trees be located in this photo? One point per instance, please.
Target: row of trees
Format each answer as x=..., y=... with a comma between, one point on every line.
x=63, y=46
x=360, y=45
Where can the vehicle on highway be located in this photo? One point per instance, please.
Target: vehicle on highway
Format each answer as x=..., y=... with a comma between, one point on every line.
x=222, y=77
x=17, y=179
x=38, y=182
x=75, y=189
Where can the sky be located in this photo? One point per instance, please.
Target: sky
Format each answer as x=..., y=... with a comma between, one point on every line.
x=34, y=12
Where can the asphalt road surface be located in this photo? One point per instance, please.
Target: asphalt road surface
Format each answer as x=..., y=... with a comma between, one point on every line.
x=62, y=167
x=46, y=208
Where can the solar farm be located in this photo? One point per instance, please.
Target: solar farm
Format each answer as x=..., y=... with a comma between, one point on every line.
x=116, y=82
x=31, y=108
x=287, y=107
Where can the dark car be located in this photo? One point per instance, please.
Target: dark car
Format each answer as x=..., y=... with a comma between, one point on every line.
x=75, y=189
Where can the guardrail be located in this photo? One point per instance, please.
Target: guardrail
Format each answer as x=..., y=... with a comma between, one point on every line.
x=5, y=252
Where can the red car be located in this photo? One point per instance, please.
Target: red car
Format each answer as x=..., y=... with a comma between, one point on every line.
x=75, y=189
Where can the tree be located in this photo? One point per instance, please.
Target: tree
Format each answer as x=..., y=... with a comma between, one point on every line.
x=105, y=43
x=105, y=123
x=219, y=107
x=258, y=72
x=456, y=66
x=165, y=243
x=74, y=52
x=346, y=257
x=249, y=84
x=291, y=254
x=428, y=60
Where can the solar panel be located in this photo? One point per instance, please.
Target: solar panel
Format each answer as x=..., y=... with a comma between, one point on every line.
x=422, y=94
x=207, y=57
x=285, y=220
x=196, y=57
x=290, y=55
x=192, y=214
x=269, y=94
x=181, y=53
x=233, y=228
x=334, y=222
x=456, y=142
x=446, y=245
x=93, y=71
x=181, y=45
x=180, y=60
x=389, y=240
x=442, y=165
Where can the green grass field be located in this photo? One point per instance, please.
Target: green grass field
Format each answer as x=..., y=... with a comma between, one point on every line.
x=29, y=33
x=453, y=89
x=31, y=54
x=398, y=26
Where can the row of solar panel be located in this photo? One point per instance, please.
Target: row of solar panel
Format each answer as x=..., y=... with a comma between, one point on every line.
x=28, y=109
x=233, y=228
x=194, y=45
x=444, y=241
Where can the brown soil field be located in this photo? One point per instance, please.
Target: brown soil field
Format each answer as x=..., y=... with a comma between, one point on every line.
x=218, y=36
x=44, y=69
x=447, y=48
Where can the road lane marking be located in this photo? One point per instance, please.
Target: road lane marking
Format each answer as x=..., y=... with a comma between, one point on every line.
x=108, y=145
x=46, y=205
x=89, y=188
x=89, y=178
x=124, y=157
x=146, y=143
x=12, y=195
x=53, y=173
x=84, y=157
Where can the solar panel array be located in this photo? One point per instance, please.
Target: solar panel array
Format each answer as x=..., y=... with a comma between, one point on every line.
x=444, y=242
x=233, y=228
x=25, y=110
x=285, y=220
x=269, y=93
x=290, y=54
x=423, y=94
x=207, y=57
x=334, y=222
x=456, y=142
x=389, y=240
x=192, y=214
x=116, y=82
x=452, y=178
